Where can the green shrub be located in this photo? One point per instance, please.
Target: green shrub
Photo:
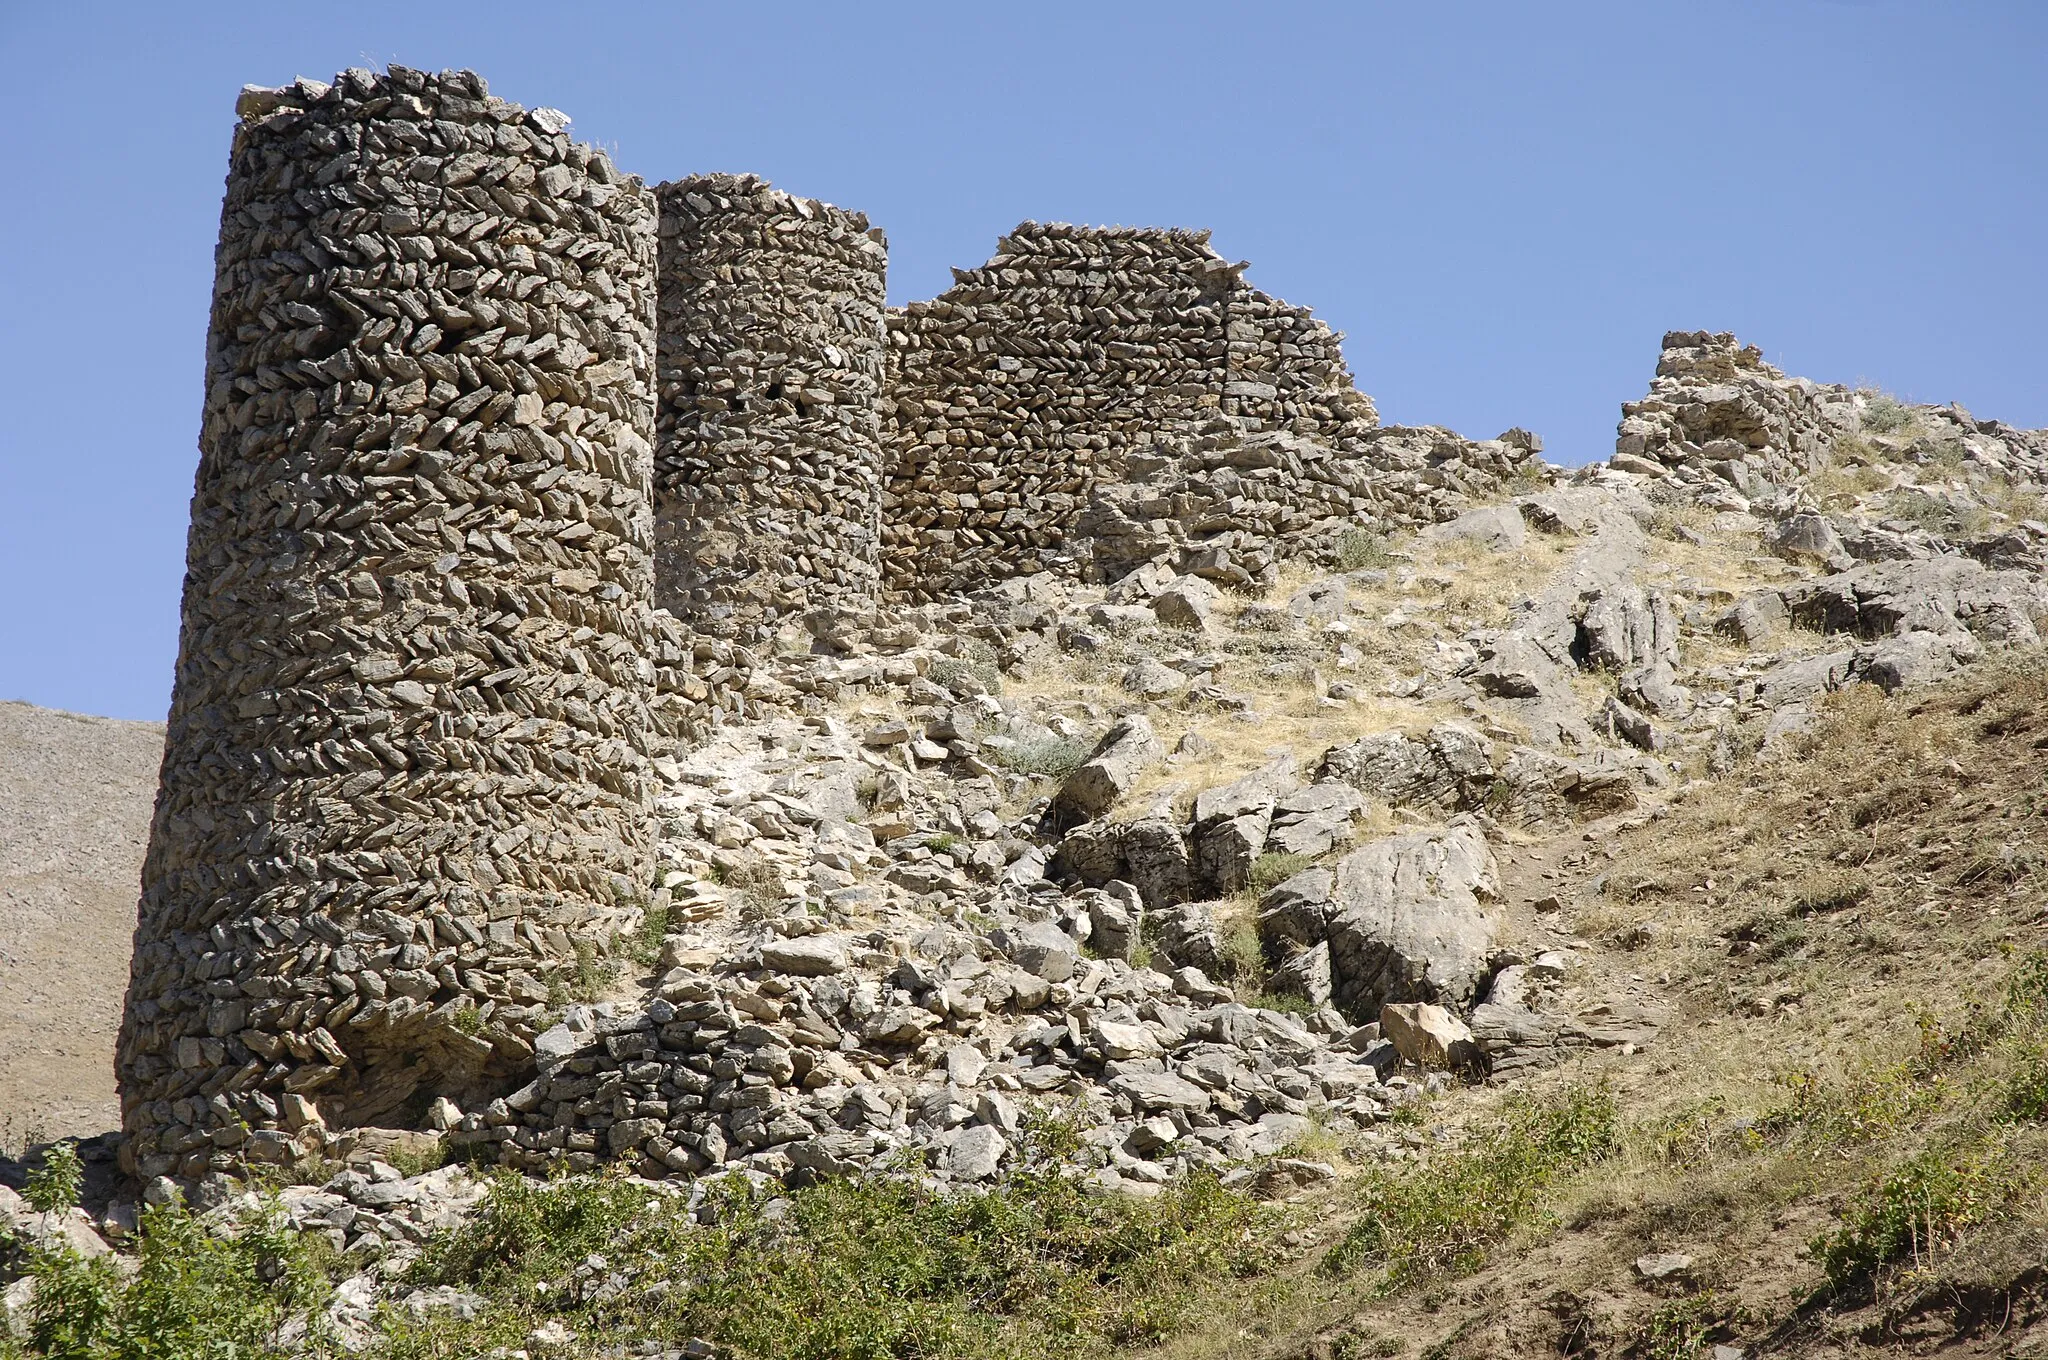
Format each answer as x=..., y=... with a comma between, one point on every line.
x=55, y=1184
x=1443, y=1216
x=1359, y=549
x=194, y=1293
x=967, y=675
x=1679, y=1329
x=643, y=946
x=1886, y=414
x=1271, y=870
x=1915, y=1210
x=1035, y=1266
x=1051, y=757
x=1916, y=507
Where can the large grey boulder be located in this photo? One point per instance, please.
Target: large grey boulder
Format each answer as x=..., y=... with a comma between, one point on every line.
x=805, y=956
x=1938, y=595
x=974, y=1154
x=1402, y=918
x=1187, y=934
x=1125, y=752
x=1231, y=822
x=1039, y=948
x=1116, y=919
x=1499, y=528
x=1808, y=537
x=1156, y=862
x=1314, y=820
x=1449, y=767
x=1186, y=603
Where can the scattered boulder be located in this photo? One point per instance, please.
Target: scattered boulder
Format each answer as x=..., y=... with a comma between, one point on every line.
x=1429, y=1036
x=1039, y=948
x=1125, y=752
x=805, y=956
x=1498, y=528
x=1402, y=918
x=1186, y=603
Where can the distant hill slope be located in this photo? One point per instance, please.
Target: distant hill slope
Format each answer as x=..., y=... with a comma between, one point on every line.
x=75, y=799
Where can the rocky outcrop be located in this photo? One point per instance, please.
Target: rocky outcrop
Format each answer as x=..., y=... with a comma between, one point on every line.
x=1402, y=919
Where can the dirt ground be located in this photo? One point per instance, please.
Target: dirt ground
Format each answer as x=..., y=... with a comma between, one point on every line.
x=75, y=800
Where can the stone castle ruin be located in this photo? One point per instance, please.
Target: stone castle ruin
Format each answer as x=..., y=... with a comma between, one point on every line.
x=507, y=460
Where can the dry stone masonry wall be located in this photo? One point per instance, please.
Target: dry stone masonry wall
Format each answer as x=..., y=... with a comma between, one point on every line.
x=404, y=770
x=1080, y=361
x=453, y=457
x=769, y=481
x=1033, y=380
x=1716, y=406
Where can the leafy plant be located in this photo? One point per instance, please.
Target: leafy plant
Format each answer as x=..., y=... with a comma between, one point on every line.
x=1271, y=870
x=1051, y=757
x=1885, y=414
x=55, y=1185
x=1915, y=1210
x=1361, y=549
x=1443, y=1216
x=195, y=1292
x=874, y=1269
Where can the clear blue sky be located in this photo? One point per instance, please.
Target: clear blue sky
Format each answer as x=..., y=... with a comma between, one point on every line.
x=1503, y=204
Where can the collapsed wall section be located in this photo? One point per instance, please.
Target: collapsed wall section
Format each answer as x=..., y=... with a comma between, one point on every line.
x=1031, y=380
x=403, y=774
x=1055, y=369
x=1715, y=407
x=769, y=468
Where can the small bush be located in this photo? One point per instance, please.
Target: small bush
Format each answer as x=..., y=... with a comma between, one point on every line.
x=55, y=1185
x=1444, y=1216
x=2026, y=1089
x=1051, y=757
x=1360, y=549
x=1269, y=871
x=1886, y=414
x=1680, y=1329
x=193, y=1293
x=1917, y=507
x=967, y=676
x=1915, y=1211
x=877, y=1269
x=643, y=946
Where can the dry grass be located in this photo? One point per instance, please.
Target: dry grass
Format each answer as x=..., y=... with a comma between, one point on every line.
x=1843, y=1122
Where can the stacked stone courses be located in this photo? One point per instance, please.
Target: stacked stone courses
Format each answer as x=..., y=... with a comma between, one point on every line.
x=768, y=480
x=1028, y=385
x=404, y=768
x=454, y=455
x=1716, y=406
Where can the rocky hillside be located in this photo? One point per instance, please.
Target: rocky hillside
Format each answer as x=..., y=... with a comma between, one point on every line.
x=75, y=798
x=1604, y=923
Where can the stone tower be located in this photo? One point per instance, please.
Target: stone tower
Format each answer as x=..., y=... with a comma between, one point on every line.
x=768, y=478
x=403, y=775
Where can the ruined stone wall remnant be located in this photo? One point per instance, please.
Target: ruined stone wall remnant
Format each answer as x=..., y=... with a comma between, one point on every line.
x=1038, y=377
x=769, y=469
x=1716, y=408
x=403, y=774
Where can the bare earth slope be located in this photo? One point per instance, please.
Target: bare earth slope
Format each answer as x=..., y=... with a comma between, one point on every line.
x=75, y=799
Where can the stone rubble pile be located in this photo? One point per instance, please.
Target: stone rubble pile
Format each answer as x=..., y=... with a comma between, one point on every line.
x=1716, y=410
